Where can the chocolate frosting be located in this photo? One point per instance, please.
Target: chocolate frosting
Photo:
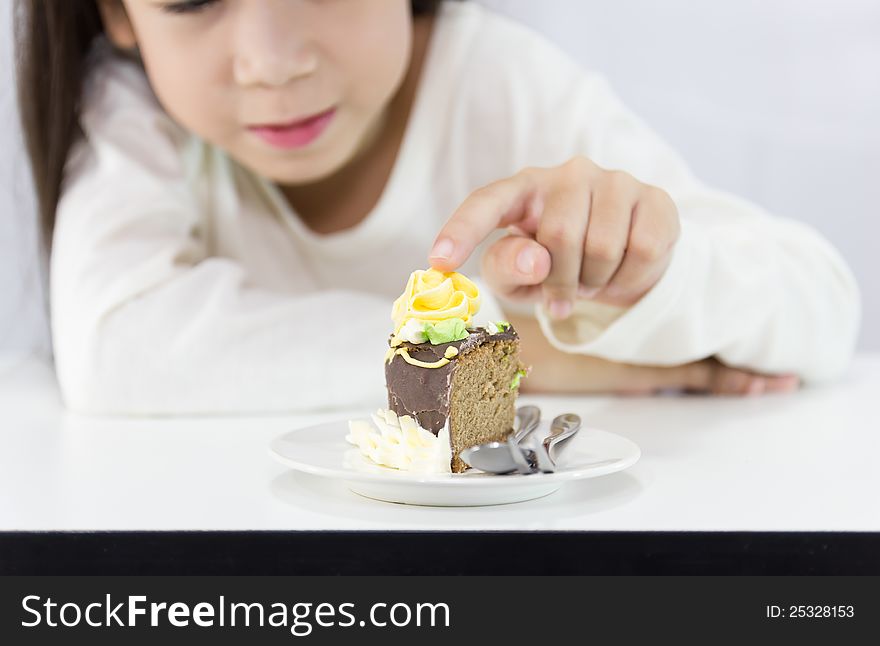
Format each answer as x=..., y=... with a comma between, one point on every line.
x=424, y=392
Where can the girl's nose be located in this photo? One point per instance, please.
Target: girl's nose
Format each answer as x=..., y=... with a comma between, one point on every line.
x=268, y=50
x=273, y=68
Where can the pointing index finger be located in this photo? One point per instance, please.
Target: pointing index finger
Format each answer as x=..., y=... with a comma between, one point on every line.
x=496, y=205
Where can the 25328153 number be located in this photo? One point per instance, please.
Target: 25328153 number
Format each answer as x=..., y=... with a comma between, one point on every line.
x=810, y=612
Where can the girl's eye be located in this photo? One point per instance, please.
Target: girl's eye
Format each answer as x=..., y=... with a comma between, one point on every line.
x=188, y=6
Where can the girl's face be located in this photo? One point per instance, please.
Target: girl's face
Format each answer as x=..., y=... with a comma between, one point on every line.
x=292, y=89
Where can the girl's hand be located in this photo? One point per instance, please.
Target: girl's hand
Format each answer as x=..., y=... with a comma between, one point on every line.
x=577, y=230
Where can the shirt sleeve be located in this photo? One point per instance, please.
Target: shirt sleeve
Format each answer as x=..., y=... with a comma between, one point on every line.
x=753, y=289
x=144, y=321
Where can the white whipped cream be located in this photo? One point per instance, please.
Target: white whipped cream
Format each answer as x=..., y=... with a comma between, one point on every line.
x=400, y=443
x=413, y=331
x=492, y=327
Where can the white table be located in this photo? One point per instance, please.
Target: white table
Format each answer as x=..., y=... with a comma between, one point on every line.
x=804, y=462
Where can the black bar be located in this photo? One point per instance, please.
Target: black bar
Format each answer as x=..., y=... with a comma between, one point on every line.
x=475, y=610
x=435, y=553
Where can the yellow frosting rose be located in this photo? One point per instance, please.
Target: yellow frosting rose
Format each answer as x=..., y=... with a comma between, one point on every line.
x=432, y=295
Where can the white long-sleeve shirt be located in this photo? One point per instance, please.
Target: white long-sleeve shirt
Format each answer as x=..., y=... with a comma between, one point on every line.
x=183, y=283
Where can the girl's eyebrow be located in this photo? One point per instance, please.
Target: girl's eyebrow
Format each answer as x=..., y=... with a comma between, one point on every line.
x=184, y=6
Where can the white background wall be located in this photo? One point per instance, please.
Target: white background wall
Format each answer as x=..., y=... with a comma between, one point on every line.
x=777, y=101
x=23, y=325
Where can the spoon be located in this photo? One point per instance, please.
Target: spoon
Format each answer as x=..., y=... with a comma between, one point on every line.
x=498, y=457
x=526, y=421
x=563, y=427
x=509, y=457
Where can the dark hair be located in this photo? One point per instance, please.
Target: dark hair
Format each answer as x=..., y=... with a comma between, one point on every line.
x=53, y=39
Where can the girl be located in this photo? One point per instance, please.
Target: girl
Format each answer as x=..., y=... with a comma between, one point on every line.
x=235, y=191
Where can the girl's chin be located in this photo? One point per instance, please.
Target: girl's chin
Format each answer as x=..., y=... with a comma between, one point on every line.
x=321, y=160
x=300, y=171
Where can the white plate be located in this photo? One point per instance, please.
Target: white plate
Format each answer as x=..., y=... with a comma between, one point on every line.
x=323, y=451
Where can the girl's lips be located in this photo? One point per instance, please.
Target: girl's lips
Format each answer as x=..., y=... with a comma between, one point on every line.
x=296, y=134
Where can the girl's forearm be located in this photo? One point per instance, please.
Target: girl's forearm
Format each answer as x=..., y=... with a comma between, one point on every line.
x=559, y=372
x=554, y=371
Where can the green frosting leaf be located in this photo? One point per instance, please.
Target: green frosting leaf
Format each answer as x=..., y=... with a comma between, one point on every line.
x=446, y=331
x=503, y=325
x=517, y=378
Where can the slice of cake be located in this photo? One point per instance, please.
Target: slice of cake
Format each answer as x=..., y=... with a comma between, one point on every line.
x=452, y=383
